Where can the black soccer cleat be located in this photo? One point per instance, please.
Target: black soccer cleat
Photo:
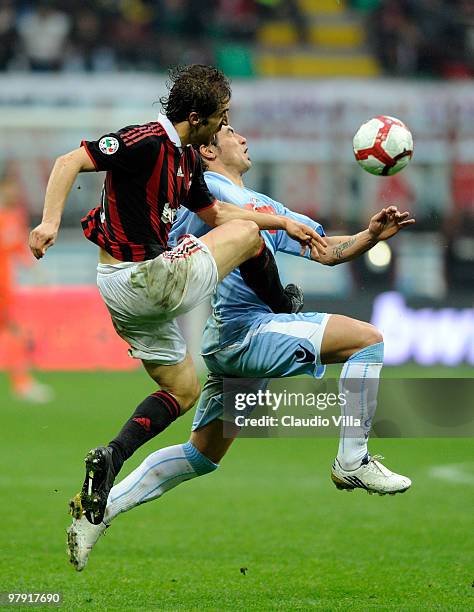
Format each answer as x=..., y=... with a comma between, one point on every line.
x=99, y=480
x=296, y=296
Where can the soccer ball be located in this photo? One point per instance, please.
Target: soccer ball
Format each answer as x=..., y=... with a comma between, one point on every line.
x=383, y=146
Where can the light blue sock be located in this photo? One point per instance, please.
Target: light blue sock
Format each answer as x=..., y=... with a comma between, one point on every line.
x=201, y=464
x=359, y=383
x=159, y=472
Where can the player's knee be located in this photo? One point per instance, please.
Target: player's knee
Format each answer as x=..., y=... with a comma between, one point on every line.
x=369, y=336
x=247, y=227
x=249, y=233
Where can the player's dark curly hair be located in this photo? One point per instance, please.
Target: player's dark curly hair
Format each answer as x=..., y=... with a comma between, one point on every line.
x=198, y=88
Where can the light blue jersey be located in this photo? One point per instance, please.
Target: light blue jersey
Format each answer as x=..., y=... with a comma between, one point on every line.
x=236, y=307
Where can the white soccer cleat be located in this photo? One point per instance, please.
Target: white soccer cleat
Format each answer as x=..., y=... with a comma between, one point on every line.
x=35, y=393
x=81, y=537
x=371, y=476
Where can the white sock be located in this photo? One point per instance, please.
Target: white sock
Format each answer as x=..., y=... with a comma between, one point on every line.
x=161, y=471
x=359, y=383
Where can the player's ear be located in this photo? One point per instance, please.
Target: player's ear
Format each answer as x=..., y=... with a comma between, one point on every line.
x=194, y=119
x=207, y=153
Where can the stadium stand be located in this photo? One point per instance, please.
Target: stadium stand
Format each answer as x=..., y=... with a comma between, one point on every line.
x=291, y=38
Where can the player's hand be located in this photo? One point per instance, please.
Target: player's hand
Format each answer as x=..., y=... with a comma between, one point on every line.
x=41, y=238
x=388, y=222
x=306, y=236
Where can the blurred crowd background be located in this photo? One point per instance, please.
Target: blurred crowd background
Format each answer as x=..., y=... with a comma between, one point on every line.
x=422, y=38
x=306, y=74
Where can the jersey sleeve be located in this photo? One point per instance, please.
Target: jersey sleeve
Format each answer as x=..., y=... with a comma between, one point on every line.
x=126, y=150
x=199, y=196
x=284, y=243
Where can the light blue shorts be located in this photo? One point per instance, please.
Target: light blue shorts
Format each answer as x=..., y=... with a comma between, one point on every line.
x=275, y=346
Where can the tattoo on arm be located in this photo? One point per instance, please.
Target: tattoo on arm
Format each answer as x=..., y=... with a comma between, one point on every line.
x=338, y=251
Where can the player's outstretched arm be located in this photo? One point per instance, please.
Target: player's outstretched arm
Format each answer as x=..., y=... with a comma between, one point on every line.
x=382, y=226
x=64, y=173
x=222, y=212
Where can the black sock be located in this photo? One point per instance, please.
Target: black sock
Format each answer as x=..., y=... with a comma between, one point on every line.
x=261, y=274
x=151, y=417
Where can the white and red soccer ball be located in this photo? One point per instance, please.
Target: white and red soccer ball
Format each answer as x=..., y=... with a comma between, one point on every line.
x=383, y=146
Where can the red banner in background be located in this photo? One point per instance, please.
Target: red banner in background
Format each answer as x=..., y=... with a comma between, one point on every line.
x=68, y=328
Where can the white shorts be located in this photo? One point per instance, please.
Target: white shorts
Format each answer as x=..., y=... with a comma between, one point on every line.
x=145, y=298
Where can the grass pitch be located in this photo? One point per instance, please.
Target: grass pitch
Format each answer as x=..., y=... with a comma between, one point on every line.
x=267, y=531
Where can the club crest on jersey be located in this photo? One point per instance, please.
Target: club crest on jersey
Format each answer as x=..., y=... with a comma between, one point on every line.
x=108, y=145
x=168, y=214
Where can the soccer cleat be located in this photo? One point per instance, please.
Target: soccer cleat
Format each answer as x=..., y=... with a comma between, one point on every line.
x=34, y=392
x=296, y=296
x=81, y=537
x=371, y=476
x=99, y=480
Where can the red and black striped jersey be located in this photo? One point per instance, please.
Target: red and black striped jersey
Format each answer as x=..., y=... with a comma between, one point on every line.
x=148, y=178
